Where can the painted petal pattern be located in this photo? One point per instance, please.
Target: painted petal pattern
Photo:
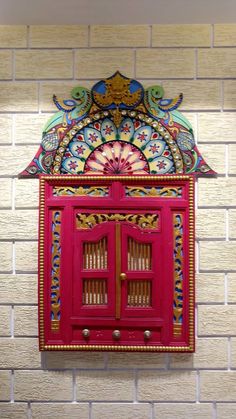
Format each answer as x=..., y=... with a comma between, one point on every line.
x=162, y=165
x=116, y=158
x=142, y=135
x=108, y=130
x=73, y=165
x=79, y=149
x=92, y=137
x=126, y=130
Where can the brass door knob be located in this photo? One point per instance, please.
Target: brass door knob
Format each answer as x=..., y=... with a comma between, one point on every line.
x=147, y=334
x=123, y=276
x=116, y=334
x=86, y=333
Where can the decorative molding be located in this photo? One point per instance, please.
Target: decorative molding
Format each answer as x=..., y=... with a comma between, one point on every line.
x=143, y=221
x=167, y=192
x=55, y=269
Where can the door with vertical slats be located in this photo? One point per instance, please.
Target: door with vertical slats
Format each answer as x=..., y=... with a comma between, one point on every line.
x=94, y=271
x=141, y=264
x=115, y=267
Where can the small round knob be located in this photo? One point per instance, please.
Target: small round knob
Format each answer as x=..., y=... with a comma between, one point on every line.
x=123, y=276
x=116, y=334
x=147, y=334
x=86, y=333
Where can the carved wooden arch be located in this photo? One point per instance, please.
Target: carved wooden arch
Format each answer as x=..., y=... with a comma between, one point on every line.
x=118, y=127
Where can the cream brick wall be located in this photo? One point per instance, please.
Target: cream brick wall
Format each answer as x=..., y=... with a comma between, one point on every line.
x=35, y=63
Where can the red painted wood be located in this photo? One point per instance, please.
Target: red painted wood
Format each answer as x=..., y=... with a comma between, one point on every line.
x=100, y=318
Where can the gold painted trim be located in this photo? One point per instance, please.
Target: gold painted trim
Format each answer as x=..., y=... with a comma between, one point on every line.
x=116, y=348
x=147, y=221
x=41, y=263
x=191, y=262
x=101, y=178
x=92, y=191
x=153, y=192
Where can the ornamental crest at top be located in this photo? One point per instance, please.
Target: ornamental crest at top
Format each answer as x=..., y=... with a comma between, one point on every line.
x=117, y=127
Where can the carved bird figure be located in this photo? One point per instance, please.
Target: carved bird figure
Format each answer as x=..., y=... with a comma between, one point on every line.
x=155, y=104
x=81, y=101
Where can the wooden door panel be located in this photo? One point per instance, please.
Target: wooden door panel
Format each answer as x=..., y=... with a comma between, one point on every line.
x=94, y=271
x=141, y=262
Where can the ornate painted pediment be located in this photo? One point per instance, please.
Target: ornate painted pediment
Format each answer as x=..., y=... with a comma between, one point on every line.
x=118, y=127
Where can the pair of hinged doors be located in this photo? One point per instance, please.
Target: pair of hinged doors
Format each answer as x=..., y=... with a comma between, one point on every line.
x=118, y=263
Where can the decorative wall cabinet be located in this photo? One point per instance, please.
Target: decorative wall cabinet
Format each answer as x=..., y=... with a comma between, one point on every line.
x=116, y=235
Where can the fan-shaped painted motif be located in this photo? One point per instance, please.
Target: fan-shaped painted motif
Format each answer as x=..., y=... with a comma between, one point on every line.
x=117, y=158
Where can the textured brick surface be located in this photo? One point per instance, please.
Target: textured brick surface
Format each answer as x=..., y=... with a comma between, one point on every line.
x=226, y=410
x=232, y=288
x=15, y=159
x=5, y=323
x=182, y=411
x=19, y=97
x=29, y=128
x=13, y=410
x=181, y=35
x=232, y=159
x=63, y=36
x=60, y=410
x=26, y=256
x=5, y=380
x=19, y=353
x=26, y=193
x=5, y=256
x=161, y=386
x=210, y=223
x=18, y=289
x=127, y=411
x=216, y=192
x=13, y=36
x=112, y=386
x=5, y=65
x=169, y=63
x=217, y=256
x=25, y=321
x=216, y=320
x=6, y=128
x=210, y=287
x=20, y=224
x=136, y=360
x=225, y=35
x=43, y=385
x=211, y=353
x=217, y=161
x=229, y=94
x=5, y=193
x=233, y=352
x=217, y=385
x=214, y=63
x=232, y=224
x=65, y=360
x=85, y=59
x=120, y=36
x=53, y=64
x=216, y=127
